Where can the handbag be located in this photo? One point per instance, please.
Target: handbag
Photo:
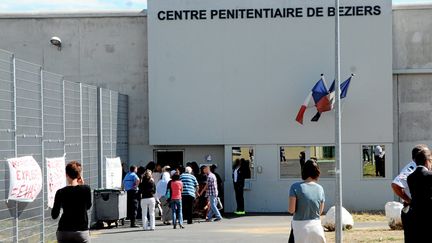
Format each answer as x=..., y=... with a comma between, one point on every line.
x=168, y=192
x=219, y=204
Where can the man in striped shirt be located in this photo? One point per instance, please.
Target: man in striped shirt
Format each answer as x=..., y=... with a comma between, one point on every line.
x=190, y=186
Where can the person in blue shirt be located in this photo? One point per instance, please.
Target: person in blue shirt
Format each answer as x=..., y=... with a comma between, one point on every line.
x=130, y=184
x=306, y=202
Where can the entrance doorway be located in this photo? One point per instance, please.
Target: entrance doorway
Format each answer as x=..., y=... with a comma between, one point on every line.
x=172, y=158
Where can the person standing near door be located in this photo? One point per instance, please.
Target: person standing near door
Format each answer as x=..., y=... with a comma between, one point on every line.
x=161, y=189
x=241, y=172
x=175, y=187
x=190, y=186
x=130, y=183
x=212, y=194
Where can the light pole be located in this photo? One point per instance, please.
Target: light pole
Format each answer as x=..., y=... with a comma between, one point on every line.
x=338, y=137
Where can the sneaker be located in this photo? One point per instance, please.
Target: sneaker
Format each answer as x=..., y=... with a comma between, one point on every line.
x=217, y=220
x=209, y=220
x=237, y=212
x=242, y=213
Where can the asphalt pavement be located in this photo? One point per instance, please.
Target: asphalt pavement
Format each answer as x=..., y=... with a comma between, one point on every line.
x=248, y=229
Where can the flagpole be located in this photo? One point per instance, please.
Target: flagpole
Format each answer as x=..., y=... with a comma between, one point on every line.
x=338, y=130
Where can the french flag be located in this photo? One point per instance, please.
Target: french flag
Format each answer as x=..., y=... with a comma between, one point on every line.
x=319, y=94
x=323, y=98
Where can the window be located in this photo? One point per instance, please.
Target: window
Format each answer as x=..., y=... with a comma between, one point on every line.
x=292, y=158
x=247, y=154
x=373, y=157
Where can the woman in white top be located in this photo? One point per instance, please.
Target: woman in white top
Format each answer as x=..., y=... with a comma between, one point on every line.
x=161, y=189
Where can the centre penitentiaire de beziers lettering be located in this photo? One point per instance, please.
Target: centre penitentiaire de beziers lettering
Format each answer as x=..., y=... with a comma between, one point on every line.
x=267, y=13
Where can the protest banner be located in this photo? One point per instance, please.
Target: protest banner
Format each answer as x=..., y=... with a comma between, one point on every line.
x=25, y=179
x=56, y=177
x=113, y=175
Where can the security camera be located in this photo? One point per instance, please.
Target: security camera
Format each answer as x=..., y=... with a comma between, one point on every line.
x=56, y=41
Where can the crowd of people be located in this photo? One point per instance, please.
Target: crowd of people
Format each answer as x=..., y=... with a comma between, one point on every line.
x=179, y=194
x=183, y=193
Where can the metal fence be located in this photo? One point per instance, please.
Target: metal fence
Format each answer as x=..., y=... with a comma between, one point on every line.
x=43, y=115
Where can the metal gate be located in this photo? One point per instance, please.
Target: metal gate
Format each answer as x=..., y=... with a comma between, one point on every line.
x=113, y=127
x=43, y=115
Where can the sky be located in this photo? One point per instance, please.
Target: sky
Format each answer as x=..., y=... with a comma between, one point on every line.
x=53, y=5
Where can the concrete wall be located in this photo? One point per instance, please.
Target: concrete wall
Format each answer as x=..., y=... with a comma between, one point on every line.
x=210, y=86
x=412, y=64
x=107, y=49
x=269, y=193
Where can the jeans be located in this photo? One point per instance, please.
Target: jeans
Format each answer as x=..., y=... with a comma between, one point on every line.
x=73, y=236
x=213, y=208
x=148, y=204
x=187, y=204
x=176, y=207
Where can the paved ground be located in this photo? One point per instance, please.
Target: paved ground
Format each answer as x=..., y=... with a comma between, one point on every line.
x=250, y=229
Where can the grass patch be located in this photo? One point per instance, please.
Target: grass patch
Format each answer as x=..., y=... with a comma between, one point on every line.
x=371, y=216
x=369, y=236
x=369, y=170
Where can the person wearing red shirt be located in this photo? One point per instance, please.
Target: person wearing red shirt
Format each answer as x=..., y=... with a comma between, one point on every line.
x=176, y=189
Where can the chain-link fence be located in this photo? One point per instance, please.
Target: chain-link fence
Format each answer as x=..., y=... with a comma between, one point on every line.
x=43, y=115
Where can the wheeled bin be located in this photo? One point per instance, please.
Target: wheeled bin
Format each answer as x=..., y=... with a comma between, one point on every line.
x=110, y=206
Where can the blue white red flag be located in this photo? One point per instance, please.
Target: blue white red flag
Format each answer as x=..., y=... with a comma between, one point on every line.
x=323, y=98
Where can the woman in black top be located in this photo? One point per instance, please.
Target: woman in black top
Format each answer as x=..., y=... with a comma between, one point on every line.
x=241, y=171
x=75, y=200
x=147, y=190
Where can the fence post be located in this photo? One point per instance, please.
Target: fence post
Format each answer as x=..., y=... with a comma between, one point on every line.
x=43, y=153
x=16, y=225
x=111, y=133
x=81, y=124
x=100, y=137
x=64, y=116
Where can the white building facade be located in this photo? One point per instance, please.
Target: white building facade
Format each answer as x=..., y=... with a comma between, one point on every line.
x=219, y=82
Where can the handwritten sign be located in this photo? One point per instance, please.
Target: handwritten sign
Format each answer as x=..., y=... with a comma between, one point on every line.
x=113, y=173
x=25, y=179
x=56, y=177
